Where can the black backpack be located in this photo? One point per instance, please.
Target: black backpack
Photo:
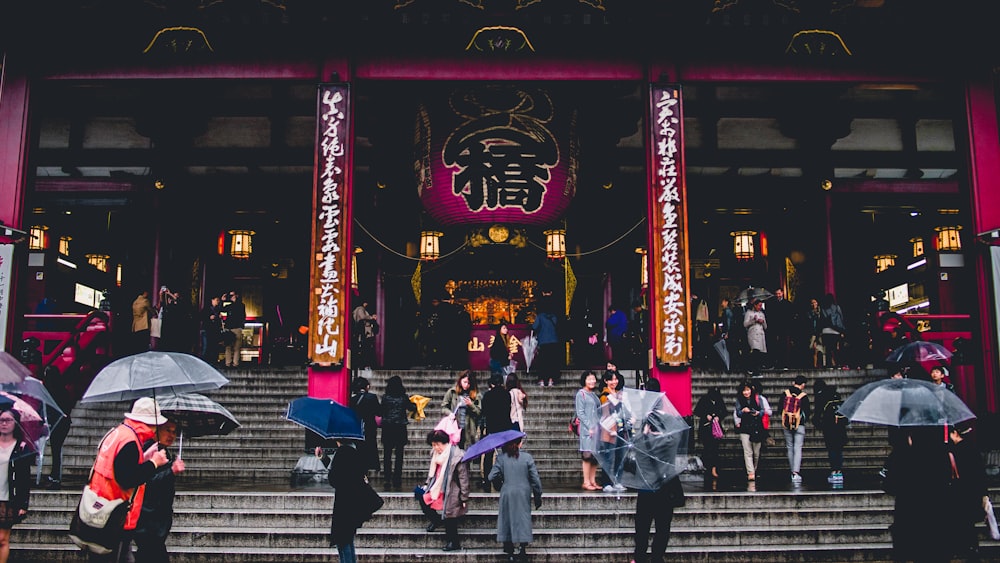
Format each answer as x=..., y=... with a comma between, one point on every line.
x=832, y=419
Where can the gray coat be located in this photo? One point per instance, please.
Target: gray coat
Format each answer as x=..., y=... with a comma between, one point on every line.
x=456, y=488
x=520, y=483
x=588, y=407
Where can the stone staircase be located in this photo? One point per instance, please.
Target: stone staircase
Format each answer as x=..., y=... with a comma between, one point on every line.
x=235, y=503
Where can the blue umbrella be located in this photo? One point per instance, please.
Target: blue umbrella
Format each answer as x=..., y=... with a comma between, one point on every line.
x=325, y=417
x=491, y=442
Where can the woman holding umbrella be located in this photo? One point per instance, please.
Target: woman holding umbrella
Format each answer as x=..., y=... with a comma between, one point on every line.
x=347, y=477
x=16, y=456
x=518, y=478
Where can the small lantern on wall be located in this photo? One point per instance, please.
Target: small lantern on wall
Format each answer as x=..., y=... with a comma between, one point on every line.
x=99, y=261
x=38, y=238
x=949, y=238
x=918, y=246
x=430, y=245
x=884, y=261
x=354, y=267
x=64, y=245
x=743, y=244
x=555, y=243
x=241, y=244
x=644, y=266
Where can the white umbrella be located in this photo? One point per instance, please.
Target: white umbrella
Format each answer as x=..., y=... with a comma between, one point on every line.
x=529, y=345
x=152, y=373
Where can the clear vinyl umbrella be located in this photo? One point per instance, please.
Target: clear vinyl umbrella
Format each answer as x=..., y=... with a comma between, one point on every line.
x=905, y=402
x=529, y=345
x=152, y=374
x=751, y=293
x=642, y=440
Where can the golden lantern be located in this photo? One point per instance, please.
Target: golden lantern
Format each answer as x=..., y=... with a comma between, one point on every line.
x=644, y=266
x=918, y=246
x=949, y=239
x=743, y=244
x=99, y=261
x=884, y=261
x=555, y=243
x=241, y=244
x=430, y=245
x=64, y=245
x=38, y=238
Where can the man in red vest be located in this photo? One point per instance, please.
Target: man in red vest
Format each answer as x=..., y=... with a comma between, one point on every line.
x=122, y=467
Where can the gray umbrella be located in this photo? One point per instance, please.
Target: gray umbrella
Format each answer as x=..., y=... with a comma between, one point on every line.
x=34, y=388
x=905, y=402
x=152, y=374
x=197, y=415
x=529, y=344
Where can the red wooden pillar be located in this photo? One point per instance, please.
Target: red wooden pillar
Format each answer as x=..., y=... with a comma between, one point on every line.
x=984, y=177
x=330, y=267
x=669, y=266
x=14, y=91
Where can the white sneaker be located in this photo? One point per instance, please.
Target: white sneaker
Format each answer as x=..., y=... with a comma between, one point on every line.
x=619, y=488
x=609, y=488
x=796, y=478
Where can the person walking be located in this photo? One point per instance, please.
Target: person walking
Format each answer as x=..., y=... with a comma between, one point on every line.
x=616, y=326
x=496, y=414
x=500, y=354
x=832, y=330
x=518, y=402
x=795, y=411
x=814, y=327
x=446, y=497
x=157, y=514
x=970, y=495
x=347, y=476
x=519, y=483
x=588, y=414
x=210, y=331
x=755, y=323
x=780, y=319
x=142, y=312
x=365, y=404
x=747, y=417
x=656, y=506
x=123, y=468
x=711, y=409
x=16, y=459
x=396, y=405
x=236, y=319
x=833, y=425
x=463, y=401
x=546, y=327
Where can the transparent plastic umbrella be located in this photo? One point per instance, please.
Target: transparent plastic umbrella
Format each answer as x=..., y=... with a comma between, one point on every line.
x=529, y=344
x=642, y=441
x=751, y=293
x=905, y=402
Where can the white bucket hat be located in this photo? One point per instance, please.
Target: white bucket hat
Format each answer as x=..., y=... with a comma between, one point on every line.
x=146, y=411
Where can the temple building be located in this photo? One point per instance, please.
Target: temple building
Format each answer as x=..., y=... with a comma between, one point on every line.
x=471, y=162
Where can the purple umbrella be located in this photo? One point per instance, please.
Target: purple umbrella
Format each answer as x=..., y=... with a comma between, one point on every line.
x=491, y=442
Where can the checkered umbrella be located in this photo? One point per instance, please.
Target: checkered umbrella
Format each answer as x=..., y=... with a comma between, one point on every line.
x=197, y=415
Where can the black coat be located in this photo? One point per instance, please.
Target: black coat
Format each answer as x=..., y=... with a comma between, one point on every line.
x=157, y=514
x=19, y=474
x=367, y=407
x=347, y=478
x=496, y=410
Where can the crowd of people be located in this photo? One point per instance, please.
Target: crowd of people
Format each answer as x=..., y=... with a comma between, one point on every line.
x=168, y=325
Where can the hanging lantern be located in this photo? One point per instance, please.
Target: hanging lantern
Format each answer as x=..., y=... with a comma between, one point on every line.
x=430, y=245
x=555, y=243
x=99, y=261
x=918, y=246
x=949, y=238
x=643, y=266
x=37, y=237
x=884, y=261
x=241, y=244
x=743, y=244
x=64, y=245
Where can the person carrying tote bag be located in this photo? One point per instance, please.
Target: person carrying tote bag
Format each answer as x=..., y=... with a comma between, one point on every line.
x=120, y=472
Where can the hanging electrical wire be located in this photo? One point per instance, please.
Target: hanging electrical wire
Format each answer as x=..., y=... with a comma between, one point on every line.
x=601, y=248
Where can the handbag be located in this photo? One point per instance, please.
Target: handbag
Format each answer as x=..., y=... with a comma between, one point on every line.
x=155, y=327
x=574, y=425
x=765, y=420
x=450, y=426
x=717, y=432
x=98, y=523
x=369, y=502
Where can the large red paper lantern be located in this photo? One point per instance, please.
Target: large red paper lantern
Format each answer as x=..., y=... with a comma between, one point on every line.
x=495, y=154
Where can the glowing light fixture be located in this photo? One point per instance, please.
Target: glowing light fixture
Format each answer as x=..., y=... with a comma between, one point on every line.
x=743, y=244
x=38, y=238
x=241, y=244
x=643, y=266
x=64, y=245
x=99, y=261
x=884, y=261
x=555, y=243
x=949, y=239
x=430, y=245
x=118, y=275
x=354, y=267
x=918, y=246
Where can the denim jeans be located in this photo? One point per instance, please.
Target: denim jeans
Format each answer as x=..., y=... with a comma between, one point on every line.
x=347, y=554
x=793, y=444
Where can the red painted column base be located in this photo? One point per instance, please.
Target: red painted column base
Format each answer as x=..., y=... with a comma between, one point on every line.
x=676, y=383
x=327, y=382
